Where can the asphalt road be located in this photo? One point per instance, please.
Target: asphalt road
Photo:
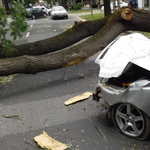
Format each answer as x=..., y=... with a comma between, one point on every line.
x=42, y=28
x=38, y=101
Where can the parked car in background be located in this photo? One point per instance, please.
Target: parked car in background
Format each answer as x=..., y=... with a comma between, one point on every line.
x=124, y=84
x=44, y=8
x=58, y=12
x=116, y=5
x=35, y=13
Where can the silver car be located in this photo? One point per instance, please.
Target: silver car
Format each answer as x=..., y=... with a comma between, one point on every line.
x=58, y=12
x=124, y=84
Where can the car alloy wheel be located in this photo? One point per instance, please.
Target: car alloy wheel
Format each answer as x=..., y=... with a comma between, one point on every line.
x=45, y=15
x=33, y=16
x=66, y=17
x=130, y=121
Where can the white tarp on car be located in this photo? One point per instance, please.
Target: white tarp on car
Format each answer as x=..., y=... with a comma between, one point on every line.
x=114, y=58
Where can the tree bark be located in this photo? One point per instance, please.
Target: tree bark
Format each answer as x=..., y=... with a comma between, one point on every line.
x=78, y=32
x=107, y=9
x=109, y=28
x=6, y=6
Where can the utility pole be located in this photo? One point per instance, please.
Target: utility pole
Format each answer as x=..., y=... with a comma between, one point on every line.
x=140, y=4
x=74, y=3
x=82, y=3
x=91, y=8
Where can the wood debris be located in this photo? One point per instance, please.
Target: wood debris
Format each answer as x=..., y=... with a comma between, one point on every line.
x=78, y=98
x=11, y=116
x=45, y=141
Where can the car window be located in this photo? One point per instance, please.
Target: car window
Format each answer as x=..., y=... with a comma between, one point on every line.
x=37, y=10
x=47, y=7
x=113, y=4
x=116, y=3
x=58, y=9
x=29, y=9
x=35, y=7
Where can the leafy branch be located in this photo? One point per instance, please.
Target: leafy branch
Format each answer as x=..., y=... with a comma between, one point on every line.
x=16, y=27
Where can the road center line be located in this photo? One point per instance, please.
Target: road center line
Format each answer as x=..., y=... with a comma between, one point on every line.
x=27, y=35
x=82, y=19
x=31, y=26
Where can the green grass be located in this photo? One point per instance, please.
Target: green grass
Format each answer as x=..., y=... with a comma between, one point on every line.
x=147, y=34
x=93, y=17
x=78, y=11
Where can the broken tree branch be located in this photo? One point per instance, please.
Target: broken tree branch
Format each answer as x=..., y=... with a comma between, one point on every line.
x=109, y=28
x=11, y=116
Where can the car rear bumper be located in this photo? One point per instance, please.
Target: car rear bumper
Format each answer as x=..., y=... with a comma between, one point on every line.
x=60, y=16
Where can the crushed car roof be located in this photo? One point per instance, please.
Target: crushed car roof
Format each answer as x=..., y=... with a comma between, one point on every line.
x=115, y=57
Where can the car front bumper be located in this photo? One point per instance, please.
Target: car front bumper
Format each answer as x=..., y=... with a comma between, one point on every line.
x=137, y=94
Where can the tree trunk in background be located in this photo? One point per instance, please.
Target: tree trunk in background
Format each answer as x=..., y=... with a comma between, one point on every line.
x=107, y=10
x=147, y=2
x=118, y=4
x=6, y=6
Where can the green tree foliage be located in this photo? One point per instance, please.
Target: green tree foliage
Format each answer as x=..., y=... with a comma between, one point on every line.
x=31, y=1
x=15, y=27
x=78, y=6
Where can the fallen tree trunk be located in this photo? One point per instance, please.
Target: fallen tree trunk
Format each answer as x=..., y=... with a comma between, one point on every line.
x=121, y=21
x=78, y=32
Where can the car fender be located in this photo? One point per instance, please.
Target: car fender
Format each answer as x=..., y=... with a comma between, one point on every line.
x=138, y=94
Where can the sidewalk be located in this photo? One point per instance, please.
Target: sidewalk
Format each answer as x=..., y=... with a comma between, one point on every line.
x=9, y=20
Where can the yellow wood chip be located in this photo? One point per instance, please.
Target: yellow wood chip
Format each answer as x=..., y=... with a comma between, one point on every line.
x=45, y=141
x=78, y=98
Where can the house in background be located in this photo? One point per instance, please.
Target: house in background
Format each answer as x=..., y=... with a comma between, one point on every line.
x=2, y=3
x=101, y=2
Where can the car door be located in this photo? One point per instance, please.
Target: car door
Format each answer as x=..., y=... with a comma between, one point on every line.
x=40, y=12
x=35, y=12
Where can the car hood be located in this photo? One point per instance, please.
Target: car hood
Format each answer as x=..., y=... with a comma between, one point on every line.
x=134, y=48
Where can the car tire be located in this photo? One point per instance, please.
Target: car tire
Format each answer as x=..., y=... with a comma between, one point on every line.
x=33, y=16
x=66, y=17
x=131, y=121
x=44, y=15
x=52, y=17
